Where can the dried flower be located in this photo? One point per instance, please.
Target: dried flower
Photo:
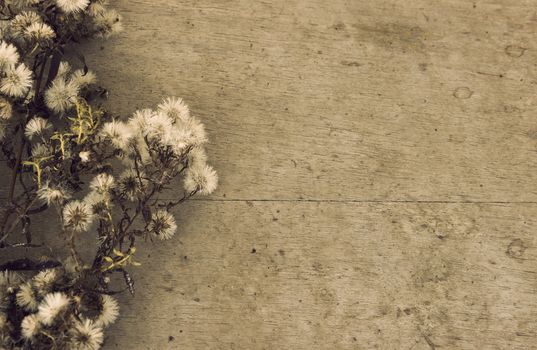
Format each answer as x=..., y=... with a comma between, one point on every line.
x=61, y=147
x=109, y=311
x=119, y=134
x=158, y=127
x=22, y=21
x=26, y=297
x=6, y=110
x=175, y=108
x=197, y=157
x=8, y=55
x=162, y=225
x=36, y=127
x=30, y=326
x=107, y=23
x=44, y=280
x=130, y=183
x=72, y=6
x=17, y=81
x=53, y=194
x=84, y=156
x=185, y=135
x=139, y=119
x=40, y=150
x=85, y=335
x=39, y=32
x=102, y=183
x=61, y=95
x=77, y=215
x=51, y=306
x=98, y=202
x=82, y=79
x=202, y=179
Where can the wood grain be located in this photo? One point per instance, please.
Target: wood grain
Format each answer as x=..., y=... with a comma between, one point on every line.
x=322, y=104
x=343, y=100
x=258, y=275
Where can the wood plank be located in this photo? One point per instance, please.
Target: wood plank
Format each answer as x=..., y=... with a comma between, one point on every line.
x=312, y=275
x=343, y=100
x=281, y=275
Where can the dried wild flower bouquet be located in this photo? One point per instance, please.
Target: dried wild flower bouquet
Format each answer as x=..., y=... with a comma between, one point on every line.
x=98, y=176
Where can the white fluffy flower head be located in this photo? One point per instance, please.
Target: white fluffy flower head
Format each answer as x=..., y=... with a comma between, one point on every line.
x=83, y=79
x=130, y=183
x=39, y=32
x=77, y=215
x=175, y=108
x=99, y=203
x=118, y=133
x=158, y=127
x=6, y=110
x=86, y=335
x=51, y=306
x=53, y=194
x=17, y=81
x=40, y=150
x=102, y=183
x=45, y=279
x=85, y=156
x=36, y=127
x=109, y=311
x=72, y=6
x=202, y=179
x=22, y=21
x=189, y=133
x=197, y=157
x=162, y=225
x=26, y=297
x=61, y=95
x=8, y=55
x=138, y=121
x=30, y=326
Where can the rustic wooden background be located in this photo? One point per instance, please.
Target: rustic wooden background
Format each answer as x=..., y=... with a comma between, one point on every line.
x=378, y=173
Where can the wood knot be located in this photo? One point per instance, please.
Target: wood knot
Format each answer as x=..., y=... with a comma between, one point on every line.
x=516, y=249
x=463, y=93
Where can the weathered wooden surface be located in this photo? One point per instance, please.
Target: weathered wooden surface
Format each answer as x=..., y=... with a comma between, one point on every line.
x=313, y=106
x=287, y=275
x=344, y=100
x=378, y=173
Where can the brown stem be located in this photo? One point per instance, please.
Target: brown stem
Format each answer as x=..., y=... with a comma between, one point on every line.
x=17, y=220
x=15, y=170
x=172, y=204
x=72, y=248
x=40, y=77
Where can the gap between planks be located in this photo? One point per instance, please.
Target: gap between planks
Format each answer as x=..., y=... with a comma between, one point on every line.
x=365, y=201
